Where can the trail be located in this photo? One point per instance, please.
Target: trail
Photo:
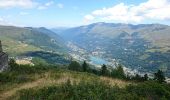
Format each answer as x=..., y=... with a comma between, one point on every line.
x=11, y=92
x=47, y=81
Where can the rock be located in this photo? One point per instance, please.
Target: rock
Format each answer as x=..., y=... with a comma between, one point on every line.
x=3, y=59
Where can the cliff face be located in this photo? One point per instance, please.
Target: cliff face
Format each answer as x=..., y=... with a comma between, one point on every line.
x=3, y=59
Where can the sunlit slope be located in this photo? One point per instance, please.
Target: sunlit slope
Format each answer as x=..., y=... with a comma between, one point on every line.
x=19, y=40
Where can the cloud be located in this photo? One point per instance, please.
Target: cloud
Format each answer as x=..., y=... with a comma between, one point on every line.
x=17, y=3
x=5, y=22
x=48, y=4
x=23, y=13
x=45, y=6
x=59, y=5
x=149, y=10
x=1, y=19
x=88, y=18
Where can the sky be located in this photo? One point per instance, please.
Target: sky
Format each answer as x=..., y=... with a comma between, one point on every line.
x=70, y=13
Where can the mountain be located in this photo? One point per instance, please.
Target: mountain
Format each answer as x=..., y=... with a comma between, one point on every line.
x=59, y=30
x=145, y=47
x=152, y=32
x=21, y=41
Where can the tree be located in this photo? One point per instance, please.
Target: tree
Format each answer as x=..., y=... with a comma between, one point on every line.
x=75, y=66
x=118, y=72
x=139, y=78
x=12, y=64
x=159, y=76
x=145, y=77
x=104, y=70
x=85, y=66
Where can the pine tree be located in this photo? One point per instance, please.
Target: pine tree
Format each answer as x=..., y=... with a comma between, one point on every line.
x=145, y=77
x=104, y=70
x=120, y=71
x=12, y=64
x=85, y=66
x=75, y=66
x=159, y=76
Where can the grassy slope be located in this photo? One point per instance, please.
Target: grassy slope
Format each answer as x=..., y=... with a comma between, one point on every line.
x=53, y=83
x=18, y=40
x=52, y=77
x=14, y=47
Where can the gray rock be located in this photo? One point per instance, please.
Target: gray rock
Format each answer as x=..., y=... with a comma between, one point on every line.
x=3, y=59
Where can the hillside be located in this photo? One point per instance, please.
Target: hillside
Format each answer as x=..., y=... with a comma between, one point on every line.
x=151, y=32
x=36, y=77
x=26, y=41
x=145, y=47
x=24, y=82
x=29, y=39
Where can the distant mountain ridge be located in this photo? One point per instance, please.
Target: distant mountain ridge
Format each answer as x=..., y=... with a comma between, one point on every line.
x=151, y=32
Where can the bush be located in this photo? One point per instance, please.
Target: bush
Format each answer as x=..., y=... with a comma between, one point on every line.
x=98, y=91
x=118, y=72
x=20, y=73
x=75, y=66
x=159, y=76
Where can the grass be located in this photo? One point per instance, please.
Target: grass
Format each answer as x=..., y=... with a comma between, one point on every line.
x=24, y=82
x=14, y=47
x=52, y=77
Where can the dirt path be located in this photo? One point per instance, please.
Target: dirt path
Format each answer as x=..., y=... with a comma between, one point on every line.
x=11, y=92
x=47, y=81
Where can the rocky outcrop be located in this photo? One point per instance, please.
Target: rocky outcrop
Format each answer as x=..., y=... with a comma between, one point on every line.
x=3, y=59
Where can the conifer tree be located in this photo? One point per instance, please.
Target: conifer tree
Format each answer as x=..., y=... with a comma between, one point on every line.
x=85, y=66
x=159, y=76
x=104, y=70
x=75, y=66
x=145, y=77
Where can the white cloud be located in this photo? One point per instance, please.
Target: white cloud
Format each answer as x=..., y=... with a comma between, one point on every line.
x=59, y=5
x=17, y=3
x=88, y=17
x=42, y=7
x=150, y=10
x=49, y=3
x=45, y=6
x=1, y=19
x=5, y=22
x=23, y=13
